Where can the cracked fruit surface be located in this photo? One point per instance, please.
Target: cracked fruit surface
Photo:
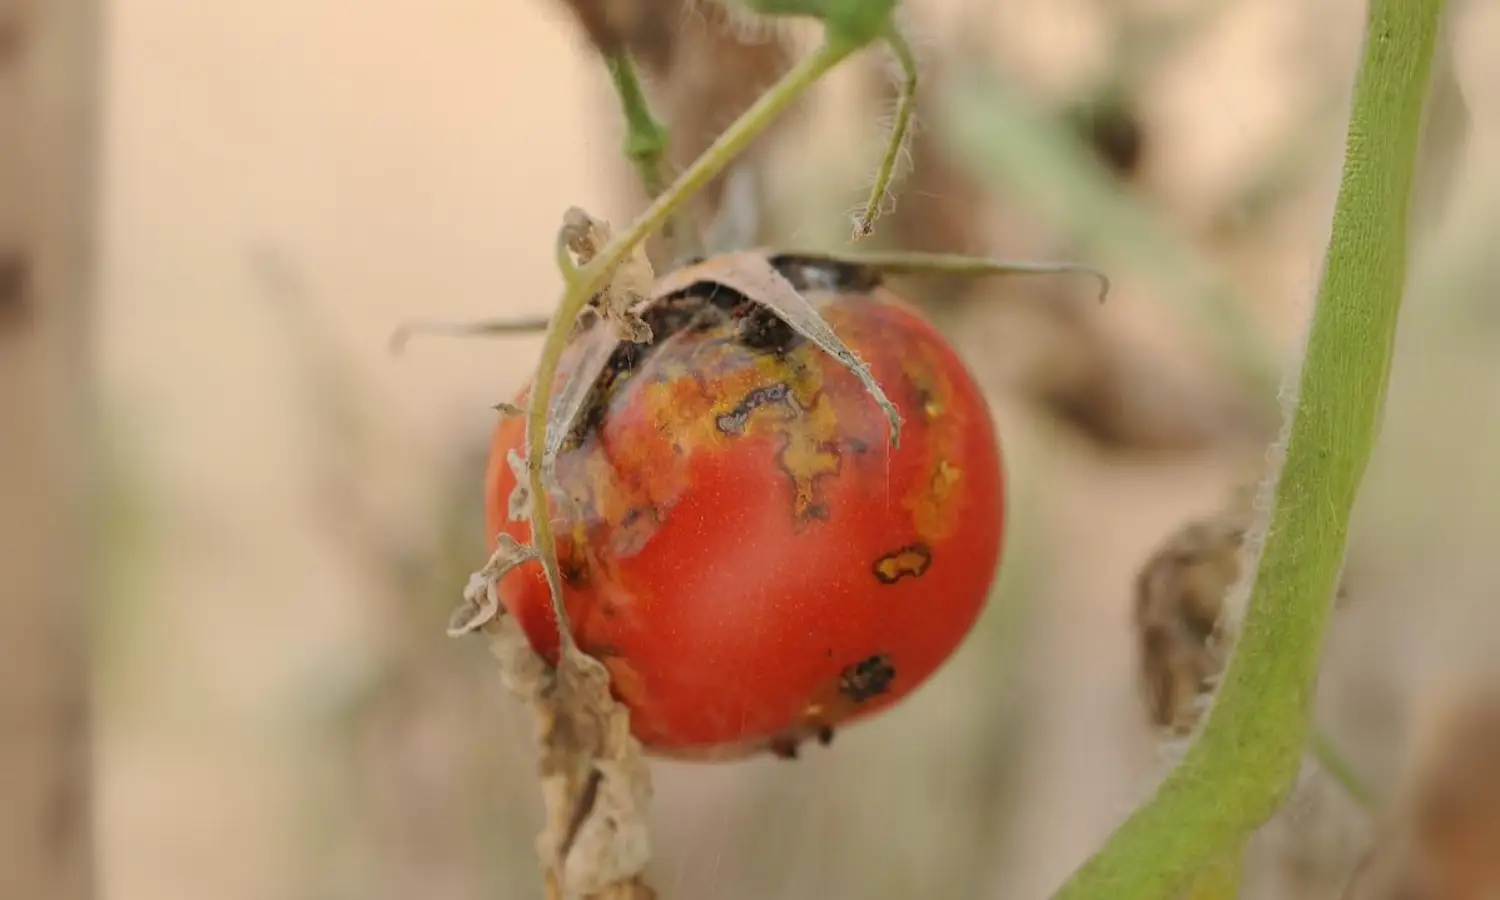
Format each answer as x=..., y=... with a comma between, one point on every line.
x=739, y=543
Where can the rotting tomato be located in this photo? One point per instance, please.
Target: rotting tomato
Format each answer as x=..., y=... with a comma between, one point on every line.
x=739, y=543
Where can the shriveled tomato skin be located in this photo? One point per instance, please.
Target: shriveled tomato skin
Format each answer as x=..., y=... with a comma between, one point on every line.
x=745, y=552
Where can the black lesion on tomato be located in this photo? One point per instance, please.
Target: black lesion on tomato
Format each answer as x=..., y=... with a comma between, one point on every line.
x=734, y=421
x=762, y=330
x=699, y=308
x=912, y=560
x=867, y=679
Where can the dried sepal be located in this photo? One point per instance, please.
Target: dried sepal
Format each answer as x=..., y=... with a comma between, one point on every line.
x=586, y=237
x=481, y=602
x=751, y=274
x=519, y=503
x=595, y=782
x=508, y=410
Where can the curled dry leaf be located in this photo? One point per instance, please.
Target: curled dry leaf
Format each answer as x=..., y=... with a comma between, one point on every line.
x=595, y=783
x=481, y=603
x=1182, y=629
x=586, y=237
x=751, y=274
x=1179, y=605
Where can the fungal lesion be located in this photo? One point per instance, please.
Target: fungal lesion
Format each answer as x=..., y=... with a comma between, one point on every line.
x=735, y=421
x=867, y=679
x=912, y=561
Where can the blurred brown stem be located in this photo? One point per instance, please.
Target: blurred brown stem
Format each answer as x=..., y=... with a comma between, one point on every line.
x=48, y=55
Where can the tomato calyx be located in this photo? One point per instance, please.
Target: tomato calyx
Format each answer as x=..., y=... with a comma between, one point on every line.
x=481, y=600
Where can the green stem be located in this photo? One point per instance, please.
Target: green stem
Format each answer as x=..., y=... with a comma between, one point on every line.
x=1221, y=879
x=645, y=138
x=595, y=275
x=646, y=148
x=905, y=103
x=1245, y=760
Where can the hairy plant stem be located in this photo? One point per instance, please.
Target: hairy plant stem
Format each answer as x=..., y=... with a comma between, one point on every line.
x=593, y=277
x=1220, y=879
x=905, y=103
x=1244, y=761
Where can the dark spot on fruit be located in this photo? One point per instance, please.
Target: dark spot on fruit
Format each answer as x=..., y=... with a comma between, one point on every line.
x=817, y=511
x=828, y=654
x=734, y=421
x=867, y=679
x=912, y=560
x=858, y=446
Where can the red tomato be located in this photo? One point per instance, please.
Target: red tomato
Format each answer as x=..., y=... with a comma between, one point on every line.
x=745, y=552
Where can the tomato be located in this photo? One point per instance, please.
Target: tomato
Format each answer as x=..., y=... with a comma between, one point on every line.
x=739, y=543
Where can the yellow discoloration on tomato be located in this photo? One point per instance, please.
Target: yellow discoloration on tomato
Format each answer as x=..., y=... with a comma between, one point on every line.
x=933, y=502
x=908, y=561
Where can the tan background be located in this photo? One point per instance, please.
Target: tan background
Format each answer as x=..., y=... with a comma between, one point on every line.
x=411, y=158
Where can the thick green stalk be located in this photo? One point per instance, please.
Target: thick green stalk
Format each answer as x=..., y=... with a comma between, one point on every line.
x=1243, y=763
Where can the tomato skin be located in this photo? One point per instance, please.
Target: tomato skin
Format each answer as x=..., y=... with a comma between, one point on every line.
x=744, y=551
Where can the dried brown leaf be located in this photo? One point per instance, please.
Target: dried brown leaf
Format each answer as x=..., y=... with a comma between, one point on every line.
x=595, y=783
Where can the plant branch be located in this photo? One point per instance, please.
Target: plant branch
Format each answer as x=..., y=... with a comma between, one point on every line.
x=1243, y=763
x=864, y=226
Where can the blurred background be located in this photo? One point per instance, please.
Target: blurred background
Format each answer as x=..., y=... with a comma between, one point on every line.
x=292, y=510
